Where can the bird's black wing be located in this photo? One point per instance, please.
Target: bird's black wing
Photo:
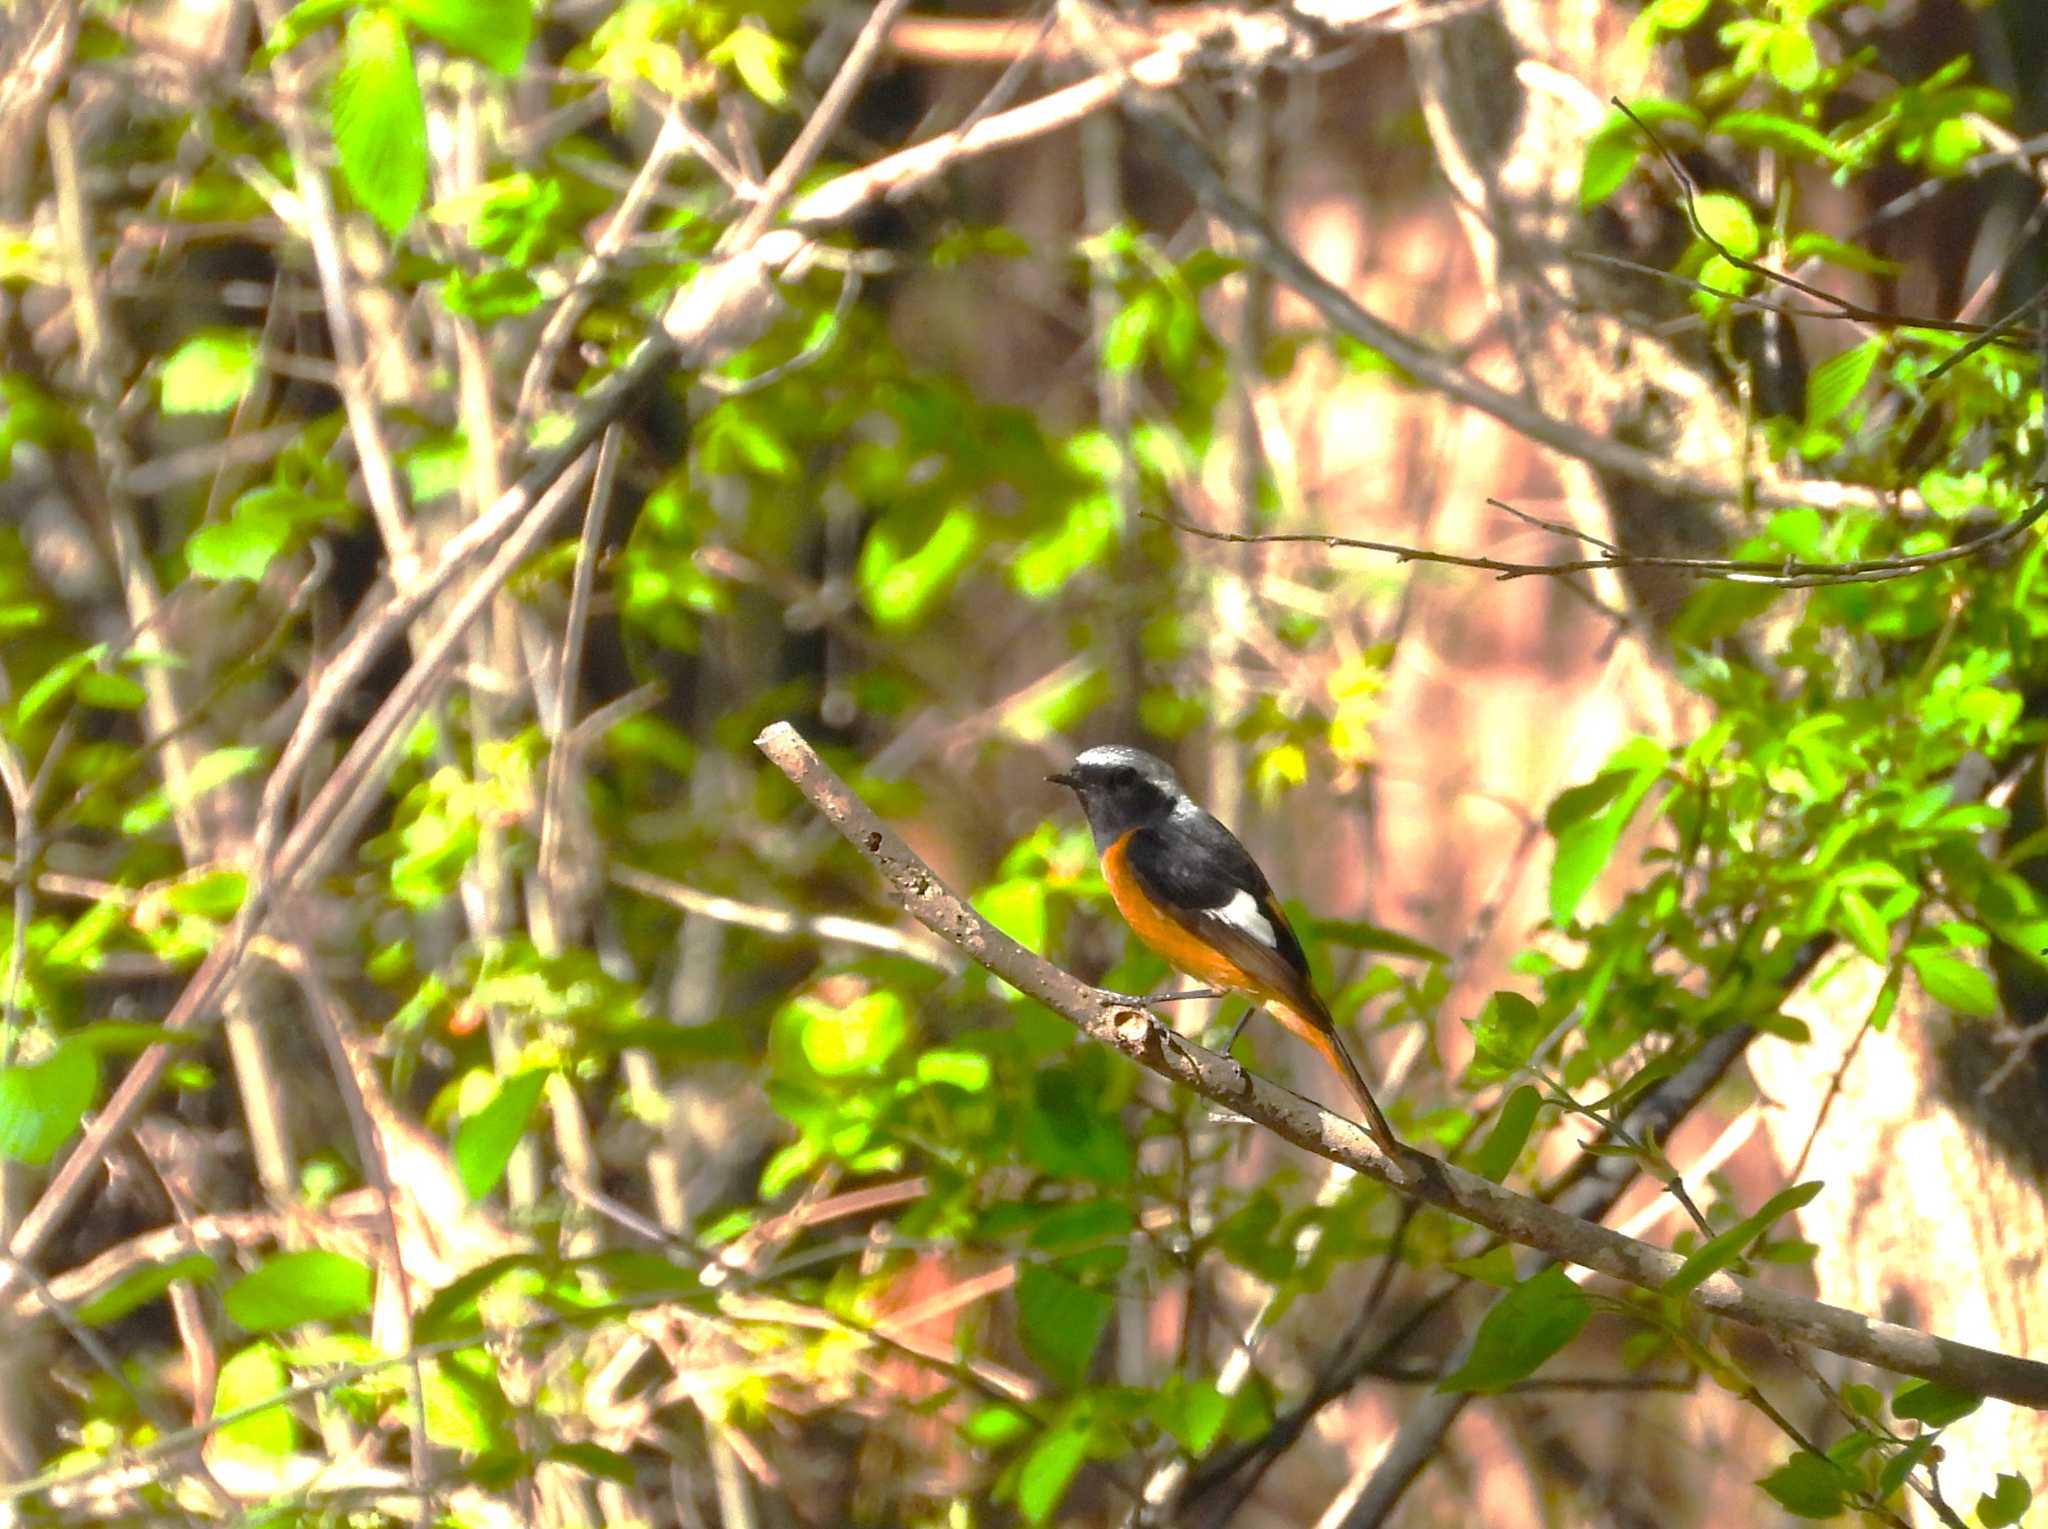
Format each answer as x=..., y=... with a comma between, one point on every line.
x=1195, y=870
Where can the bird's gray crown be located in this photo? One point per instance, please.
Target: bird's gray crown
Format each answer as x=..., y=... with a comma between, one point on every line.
x=1113, y=756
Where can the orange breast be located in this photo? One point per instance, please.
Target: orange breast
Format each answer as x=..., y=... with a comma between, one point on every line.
x=1157, y=929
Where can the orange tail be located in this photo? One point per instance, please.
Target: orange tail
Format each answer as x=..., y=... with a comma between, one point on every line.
x=1322, y=1035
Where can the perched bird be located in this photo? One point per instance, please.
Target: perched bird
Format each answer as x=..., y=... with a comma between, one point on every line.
x=1194, y=894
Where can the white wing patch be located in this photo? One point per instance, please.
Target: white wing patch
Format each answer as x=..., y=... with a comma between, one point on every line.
x=1242, y=912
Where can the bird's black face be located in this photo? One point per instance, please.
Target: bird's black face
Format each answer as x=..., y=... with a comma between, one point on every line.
x=1120, y=789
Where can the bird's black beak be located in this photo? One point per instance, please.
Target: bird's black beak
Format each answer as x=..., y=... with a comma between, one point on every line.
x=1065, y=778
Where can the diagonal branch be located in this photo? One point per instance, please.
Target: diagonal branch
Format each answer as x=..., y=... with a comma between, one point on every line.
x=1113, y=1022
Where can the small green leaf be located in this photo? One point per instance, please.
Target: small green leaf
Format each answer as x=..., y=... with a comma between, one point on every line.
x=1809, y=1486
x=1506, y=1034
x=210, y=373
x=1049, y=1469
x=1793, y=61
x=238, y=548
x=484, y=1142
x=1192, y=1411
x=2005, y=1504
x=294, y=1288
x=53, y=682
x=1934, y=1403
x=899, y=589
x=1060, y=1321
x=141, y=1286
x=110, y=691
x=1609, y=158
x=1768, y=130
x=1726, y=221
x=760, y=59
x=967, y=1071
x=1833, y=385
x=1952, y=981
x=254, y=1375
x=1588, y=821
x=495, y=32
x=380, y=122
x=1509, y=1135
x=1721, y=1250
x=995, y=1425
x=1525, y=1327
x=840, y=1040
x=42, y=1102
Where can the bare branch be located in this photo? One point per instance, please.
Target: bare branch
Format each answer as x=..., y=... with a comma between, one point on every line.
x=1791, y=573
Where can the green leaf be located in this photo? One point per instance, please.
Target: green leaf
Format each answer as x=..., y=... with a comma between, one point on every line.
x=899, y=589
x=1952, y=981
x=42, y=1102
x=1833, y=385
x=495, y=32
x=1721, y=1250
x=1609, y=158
x=1050, y=1467
x=840, y=1040
x=210, y=373
x=1934, y=1403
x=760, y=59
x=1726, y=221
x=254, y=1375
x=1809, y=1486
x=294, y=1288
x=1509, y=1135
x=1060, y=1321
x=967, y=1071
x=53, y=682
x=380, y=123
x=2005, y=1504
x=238, y=548
x=995, y=1425
x=141, y=1286
x=1768, y=130
x=110, y=691
x=1506, y=1034
x=1794, y=63
x=1588, y=821
x=1525, y=1327
x=484, y=1142
x=1193, y=1412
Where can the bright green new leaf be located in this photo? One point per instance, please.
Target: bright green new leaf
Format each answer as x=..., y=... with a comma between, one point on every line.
x=1588, y=821
x=1794, y=62
x=1050, y=1467
x=1525, y=1327
x=967, y=1071
x=241, y=547
x=1506, y=1033
x=313, y=1285
x=485, y=1141
x=840, y=1040
x=53, y=682
x=1952, y=981
x=42, y=1102
x=380, y=122
x=1060, y=1321
x=1727, y=221
x=1833, y=385
x=494, y=31
x=899, y=589
x=1768, y=130
x=254, y=1375
x=1610, y=155
x=210, y=373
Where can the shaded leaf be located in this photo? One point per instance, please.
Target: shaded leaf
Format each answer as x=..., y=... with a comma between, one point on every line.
x=1525, y=1327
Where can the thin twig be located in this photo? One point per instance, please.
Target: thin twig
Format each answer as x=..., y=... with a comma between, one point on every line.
x=1790, y=573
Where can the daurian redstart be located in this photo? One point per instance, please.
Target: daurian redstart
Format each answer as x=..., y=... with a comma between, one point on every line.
x=1194, y=894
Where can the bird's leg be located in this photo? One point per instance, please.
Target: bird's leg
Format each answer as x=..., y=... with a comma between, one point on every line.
x=1147, y=1000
